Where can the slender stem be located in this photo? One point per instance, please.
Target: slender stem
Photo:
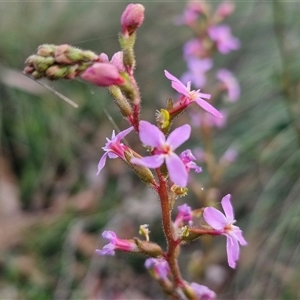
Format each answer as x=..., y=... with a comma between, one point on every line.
x=172, y=245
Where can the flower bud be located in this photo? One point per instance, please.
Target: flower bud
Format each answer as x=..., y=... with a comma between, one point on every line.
x=225, y=9
x=46, y=50
x=132, y=18
x=103, y=74
x=151, y=249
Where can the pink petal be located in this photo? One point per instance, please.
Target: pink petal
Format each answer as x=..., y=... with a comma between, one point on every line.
x=228, y=209
x=150, y=135
x=177, y=170
x=233, y=251
x=209, y=108
x=214, y=218
x=152, y=162
x=177, y=84
x=239, y=236
x=178, y=136
x=123, y=133
x=102, y=162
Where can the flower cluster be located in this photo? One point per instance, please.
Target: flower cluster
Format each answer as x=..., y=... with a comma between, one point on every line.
x=164, y=169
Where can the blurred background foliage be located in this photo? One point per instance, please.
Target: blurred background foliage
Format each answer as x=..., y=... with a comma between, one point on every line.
x=53, y=207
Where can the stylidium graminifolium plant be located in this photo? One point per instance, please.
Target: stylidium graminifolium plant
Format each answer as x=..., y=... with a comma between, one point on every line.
x=163, y=169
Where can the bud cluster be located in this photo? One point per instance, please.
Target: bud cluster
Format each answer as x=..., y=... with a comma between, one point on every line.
x=56, y=62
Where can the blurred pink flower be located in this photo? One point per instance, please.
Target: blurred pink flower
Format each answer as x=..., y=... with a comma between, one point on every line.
x=230, y=84
x=223, y=224
x=184, y=216
x=225, y=9
x=159, y=266
x=187, y=158
x=225, y=42
x=203, y=292
x=196, y=71
x=199, y=119
x=193, y=48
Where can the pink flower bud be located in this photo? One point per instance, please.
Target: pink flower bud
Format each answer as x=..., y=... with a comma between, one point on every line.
x=132, y=18
x=103, y=74
x=225, y=9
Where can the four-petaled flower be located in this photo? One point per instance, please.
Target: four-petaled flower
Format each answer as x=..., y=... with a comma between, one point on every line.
x=223, y=224
x=114, y=148
x=190, y=96
x=164, y=148
x=116, y=243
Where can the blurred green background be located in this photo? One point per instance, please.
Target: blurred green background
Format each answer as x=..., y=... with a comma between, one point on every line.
x=53, y=207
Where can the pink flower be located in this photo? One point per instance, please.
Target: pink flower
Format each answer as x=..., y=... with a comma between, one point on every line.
x=159, y=266
x=199, y=119
x=164, y=148
x=193, y=48
x=187, y=158
x=223, y=224
x=184, y=215
x=196, y=71
x=203, y=292
x=113, y=148
x=221, y=34
x=230, y=84
x=103, y=74
x=116, y=243
x=192, y=96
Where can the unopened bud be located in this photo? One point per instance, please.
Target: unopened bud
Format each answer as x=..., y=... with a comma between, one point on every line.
x=56, y=72
x=61, y=54
x=143, y=172
x=103, y=74
x=121, y=101
x=132, y=18
x=151, y=249
x=46, y=50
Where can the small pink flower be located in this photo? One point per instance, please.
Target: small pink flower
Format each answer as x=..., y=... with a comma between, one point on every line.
x=230, y=84
x=132, y=18
x=159, y=266
x=103, y=74
x=199, y=119
x=192, y=96
x=203, y=292
x=116, y=243
x=196, y=71
x=221, y=34
x=193, y=49
x=164, y=148
x=114, y=148
x=223, y=224
x=187, y=158
x=184, y=216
